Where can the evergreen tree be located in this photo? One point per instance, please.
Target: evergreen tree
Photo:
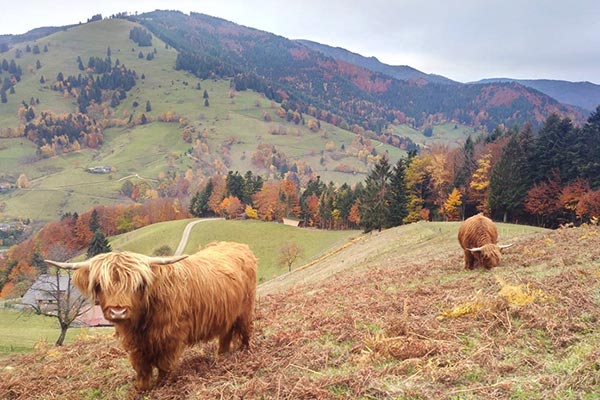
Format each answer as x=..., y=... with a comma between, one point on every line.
x=399, y=198
x=376, y=198
x=94, y=224
x=3, y=97
x=235, y=185
x=206, y=103
x=37, y=262
x=589, y=165
x=252, y=184
x=148, y=106
x=205, y=95
x=199, y=203
x=554, y=147
x=509, y=181
x=98, y=245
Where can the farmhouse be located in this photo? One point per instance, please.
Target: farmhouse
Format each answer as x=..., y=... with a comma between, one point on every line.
x=42, y=295
x=101, y=169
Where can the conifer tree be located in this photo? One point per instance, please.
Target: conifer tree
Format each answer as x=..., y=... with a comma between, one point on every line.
x=199, y=203
x=509, y=181
x=376, y=198
x=399, y=198
x=98, y=245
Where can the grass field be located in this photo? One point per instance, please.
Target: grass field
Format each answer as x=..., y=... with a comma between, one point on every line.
x=264, y=238
x=20, y=331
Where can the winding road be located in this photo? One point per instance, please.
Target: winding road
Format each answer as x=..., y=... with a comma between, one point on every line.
x=186, y=233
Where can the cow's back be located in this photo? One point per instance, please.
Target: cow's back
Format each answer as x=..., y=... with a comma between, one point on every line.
x=477, y=231
x=214, y=287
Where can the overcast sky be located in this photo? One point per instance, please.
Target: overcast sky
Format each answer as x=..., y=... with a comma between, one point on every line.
x=464, y=40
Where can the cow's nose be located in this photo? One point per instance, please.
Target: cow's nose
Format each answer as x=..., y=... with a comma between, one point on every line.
x=117, y=312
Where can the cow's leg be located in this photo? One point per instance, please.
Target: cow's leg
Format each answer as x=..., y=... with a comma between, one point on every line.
x=244, y=329
x=469, y=260
x=167, y=360
x=225, y=341
x=143, y=370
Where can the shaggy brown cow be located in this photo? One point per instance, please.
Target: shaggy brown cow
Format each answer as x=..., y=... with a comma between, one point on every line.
x=159, y=305
x=478, y=236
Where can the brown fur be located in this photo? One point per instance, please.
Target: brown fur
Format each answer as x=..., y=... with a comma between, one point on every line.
x=208, y=295
x=479, y=231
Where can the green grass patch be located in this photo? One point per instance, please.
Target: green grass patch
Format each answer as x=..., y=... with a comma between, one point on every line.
x=20, y=331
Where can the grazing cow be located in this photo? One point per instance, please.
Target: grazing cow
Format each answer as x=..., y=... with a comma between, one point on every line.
x=159, y=305
x=478, y=236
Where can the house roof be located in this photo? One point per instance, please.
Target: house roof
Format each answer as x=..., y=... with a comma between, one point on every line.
x=44, y=285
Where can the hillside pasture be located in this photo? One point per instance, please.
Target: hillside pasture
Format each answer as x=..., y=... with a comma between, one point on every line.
x=266, y=239
x=400, y=318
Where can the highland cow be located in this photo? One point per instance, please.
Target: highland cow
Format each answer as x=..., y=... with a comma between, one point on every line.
x=478, y=236
x=159, y=305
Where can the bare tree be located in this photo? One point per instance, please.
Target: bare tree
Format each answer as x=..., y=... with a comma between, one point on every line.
x=288, y=254
x=54, y=295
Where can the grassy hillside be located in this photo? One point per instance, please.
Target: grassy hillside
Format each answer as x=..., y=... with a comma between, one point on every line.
x=60, y=184
x=21, y=332
x=393, y=315
x=264, y=238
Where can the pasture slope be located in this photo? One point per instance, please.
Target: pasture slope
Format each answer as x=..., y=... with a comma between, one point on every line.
x=393, y=315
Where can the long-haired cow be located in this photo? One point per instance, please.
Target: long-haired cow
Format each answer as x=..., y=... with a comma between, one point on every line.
x=478, y=236
x=159, y=305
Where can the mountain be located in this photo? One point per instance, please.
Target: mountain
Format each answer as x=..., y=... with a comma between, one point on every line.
x=402, y=72
x=585, y=95
x=316, y=84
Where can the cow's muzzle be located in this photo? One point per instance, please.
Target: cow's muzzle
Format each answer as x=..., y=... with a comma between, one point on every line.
x=117, y=313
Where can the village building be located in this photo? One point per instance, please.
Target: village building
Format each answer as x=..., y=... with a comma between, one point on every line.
x=42, y=295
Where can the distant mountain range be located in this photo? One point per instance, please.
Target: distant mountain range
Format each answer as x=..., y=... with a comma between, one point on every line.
x=345, y=88
x=403, y=72
x=581, y=94
x=585, y=95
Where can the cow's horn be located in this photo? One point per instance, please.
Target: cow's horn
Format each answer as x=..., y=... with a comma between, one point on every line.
x=475, y=249
x=64, y=265
x=165, y=260
x=505, y=246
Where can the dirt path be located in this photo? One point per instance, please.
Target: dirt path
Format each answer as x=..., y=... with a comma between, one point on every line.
x=186, y=233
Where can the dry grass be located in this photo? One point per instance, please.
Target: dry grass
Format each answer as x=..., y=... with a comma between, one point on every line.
x=391, y=329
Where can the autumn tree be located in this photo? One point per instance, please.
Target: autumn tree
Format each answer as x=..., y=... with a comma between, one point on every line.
x=543, y=200
x=451, y=207
x=479, y=185
x=23, y=182
x=288, y=254
x=231, y=207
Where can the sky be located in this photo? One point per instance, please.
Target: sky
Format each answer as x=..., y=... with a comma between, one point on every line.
x=464, y=40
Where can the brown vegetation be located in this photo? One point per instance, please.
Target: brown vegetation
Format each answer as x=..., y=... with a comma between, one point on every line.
x=406, y=324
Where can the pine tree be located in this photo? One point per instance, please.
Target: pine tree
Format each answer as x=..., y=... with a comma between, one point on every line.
x=148, y=106
x=376, y=198
x=98, y=245
x=509, y=181
x=199, y=203
x=94, y=225
x=399, y=199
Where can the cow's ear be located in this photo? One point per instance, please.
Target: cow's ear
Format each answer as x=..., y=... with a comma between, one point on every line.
x=81, y=280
